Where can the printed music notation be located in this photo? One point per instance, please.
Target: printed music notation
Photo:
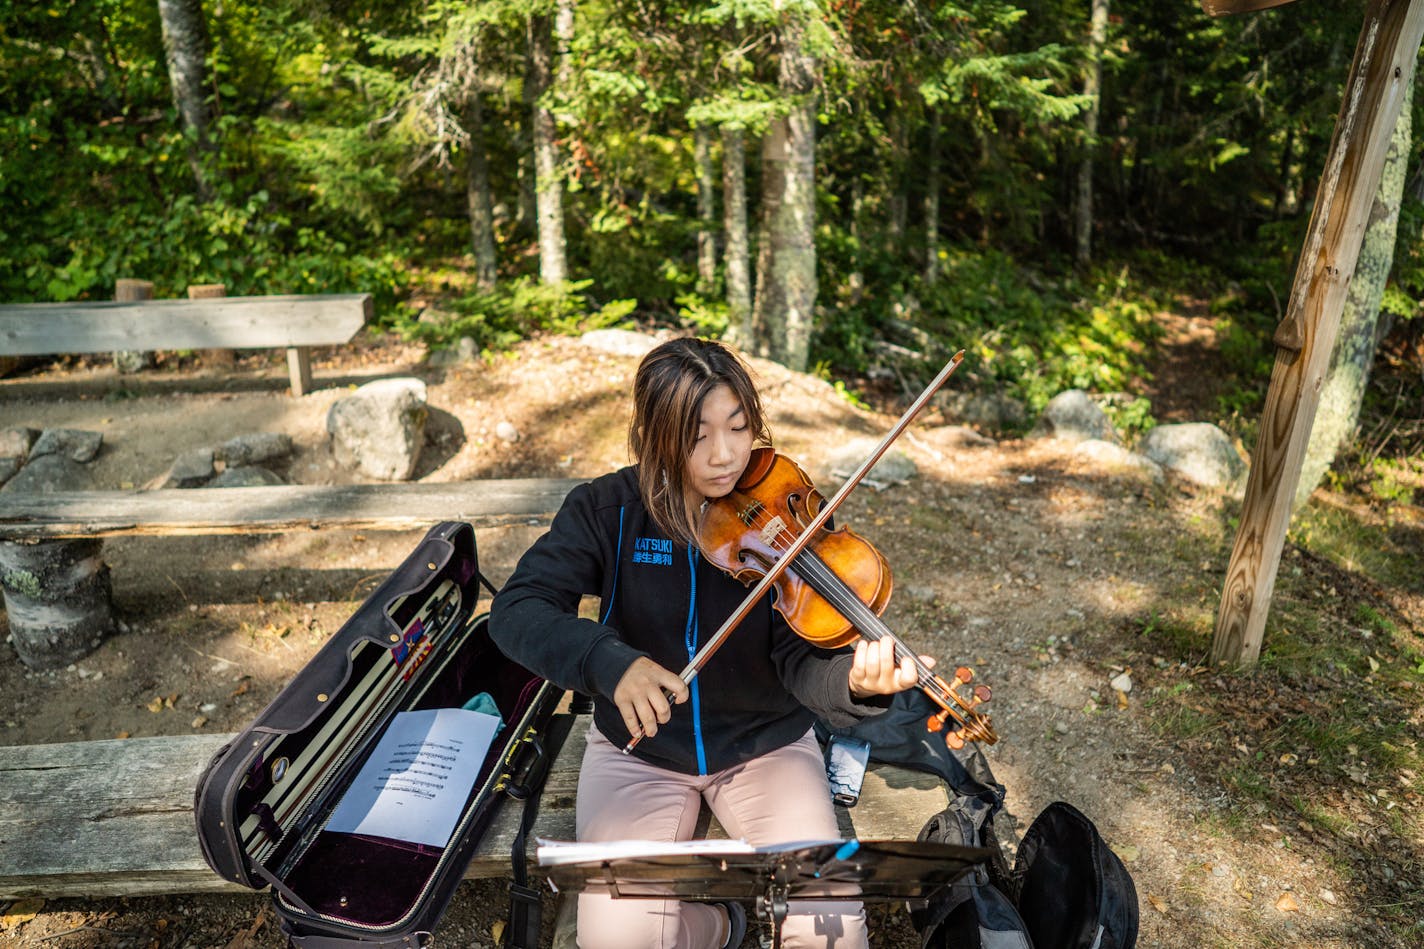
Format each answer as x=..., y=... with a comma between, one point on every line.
x=414, y=785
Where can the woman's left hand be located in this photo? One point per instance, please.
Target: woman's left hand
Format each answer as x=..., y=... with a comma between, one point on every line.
x=874, y=672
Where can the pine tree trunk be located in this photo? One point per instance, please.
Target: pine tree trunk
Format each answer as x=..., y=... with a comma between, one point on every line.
x=1092, y=89
x=478, y=203
x=932, y=202
x=527, y=214
x=735, y=255
x=856, y=278
x=1343, y=390
x=706, y=210
x=185, y=48
x=549, y=190
x=784, y=311
x=899, y=174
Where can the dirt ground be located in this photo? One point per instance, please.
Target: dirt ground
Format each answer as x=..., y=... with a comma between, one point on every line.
x=1016, y=558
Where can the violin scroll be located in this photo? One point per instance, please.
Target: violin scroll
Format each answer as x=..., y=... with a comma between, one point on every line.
x=974, y=724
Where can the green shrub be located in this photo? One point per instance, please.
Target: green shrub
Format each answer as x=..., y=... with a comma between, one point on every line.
x=521, y=308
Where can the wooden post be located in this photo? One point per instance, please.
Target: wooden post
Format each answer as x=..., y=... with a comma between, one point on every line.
x=212, y=358
x=1383, y=63
x=127, y=290
x=299, y=369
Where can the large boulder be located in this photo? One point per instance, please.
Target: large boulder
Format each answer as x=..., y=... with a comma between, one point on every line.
x=893, y=467
x=619, y=342
x=1073, y=416
x=990, y=411
x=1197, y=452
x=379, y=429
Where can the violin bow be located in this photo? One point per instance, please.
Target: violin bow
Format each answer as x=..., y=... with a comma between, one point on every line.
x=774, y=572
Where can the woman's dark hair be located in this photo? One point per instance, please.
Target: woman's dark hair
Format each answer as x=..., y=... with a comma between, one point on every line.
x=672, y=382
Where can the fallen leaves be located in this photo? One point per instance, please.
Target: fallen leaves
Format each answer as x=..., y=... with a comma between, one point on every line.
x=21, y=911
x=1287, y=904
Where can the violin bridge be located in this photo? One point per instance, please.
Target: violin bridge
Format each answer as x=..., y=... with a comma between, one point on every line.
x=771, y=531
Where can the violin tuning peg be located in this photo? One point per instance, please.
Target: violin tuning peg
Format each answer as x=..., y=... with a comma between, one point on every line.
x=963, y=674
x=982, y=693
x=954, y=741
x=936, y=721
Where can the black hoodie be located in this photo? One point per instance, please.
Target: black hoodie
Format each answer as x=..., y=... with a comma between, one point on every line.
x=659, y=598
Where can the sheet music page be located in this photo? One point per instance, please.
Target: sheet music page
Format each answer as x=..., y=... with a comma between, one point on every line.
x=555, y=852
x=415, y=783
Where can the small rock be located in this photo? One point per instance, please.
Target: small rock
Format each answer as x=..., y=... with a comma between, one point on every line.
x=1122, y=682
x=245, y=476
x=1328, y=896
x=75, y=444
x=15, y=442
x=191, y=469
x=252, y=449
x=506, y=431
x=50, y=473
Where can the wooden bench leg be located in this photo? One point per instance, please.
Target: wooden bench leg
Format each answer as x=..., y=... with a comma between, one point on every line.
x=57, y=598
x=299, y=368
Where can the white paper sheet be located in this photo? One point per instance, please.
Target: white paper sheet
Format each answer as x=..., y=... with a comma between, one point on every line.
x=415, y=783
x=556, y=852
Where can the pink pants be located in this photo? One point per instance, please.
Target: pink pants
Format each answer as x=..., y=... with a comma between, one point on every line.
x=777, y=798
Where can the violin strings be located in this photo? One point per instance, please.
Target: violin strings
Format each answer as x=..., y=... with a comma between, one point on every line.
x=840, y=596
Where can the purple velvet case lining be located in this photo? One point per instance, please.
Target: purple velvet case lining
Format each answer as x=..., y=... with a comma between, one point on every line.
x=372, y=881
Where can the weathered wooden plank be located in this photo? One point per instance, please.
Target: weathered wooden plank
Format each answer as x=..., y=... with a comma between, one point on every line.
x=33, y=329
x=114, y=818
x=1374, y=94
x=1228, y=7
x=103, y=818
x=403, y=506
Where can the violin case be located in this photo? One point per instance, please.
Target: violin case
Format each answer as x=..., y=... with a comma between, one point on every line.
x=263, y=803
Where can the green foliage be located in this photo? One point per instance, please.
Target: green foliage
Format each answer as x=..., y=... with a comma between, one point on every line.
x=1023, y=332
x=516, y=310
x=706, y=317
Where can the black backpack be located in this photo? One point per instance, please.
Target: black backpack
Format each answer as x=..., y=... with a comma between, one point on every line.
x=1067, y=889
x=975, y=912
x=1073, y=891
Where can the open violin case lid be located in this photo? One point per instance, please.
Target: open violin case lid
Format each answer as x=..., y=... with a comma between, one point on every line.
x=265, y=803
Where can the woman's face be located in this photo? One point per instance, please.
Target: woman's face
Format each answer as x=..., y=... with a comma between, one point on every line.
x=724, y=443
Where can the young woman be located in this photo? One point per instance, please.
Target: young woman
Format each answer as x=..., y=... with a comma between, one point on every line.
x=741, y=736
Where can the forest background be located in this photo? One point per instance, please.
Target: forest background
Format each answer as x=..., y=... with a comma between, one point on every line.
x=854, y=189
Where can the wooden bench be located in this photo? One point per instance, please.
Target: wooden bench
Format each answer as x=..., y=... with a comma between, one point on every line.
x=115, y=818
x=293, y=323
x=279, y=508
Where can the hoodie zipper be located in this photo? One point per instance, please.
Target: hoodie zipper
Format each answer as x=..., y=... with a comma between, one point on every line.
x=690, y=641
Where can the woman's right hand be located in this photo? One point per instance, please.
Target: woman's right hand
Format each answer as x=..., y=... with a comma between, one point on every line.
x=640, y=696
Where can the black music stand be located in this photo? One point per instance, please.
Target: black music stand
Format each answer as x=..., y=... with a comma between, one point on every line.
x=770, y=877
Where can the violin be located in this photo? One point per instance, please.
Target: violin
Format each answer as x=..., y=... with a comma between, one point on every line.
x=835, y=589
